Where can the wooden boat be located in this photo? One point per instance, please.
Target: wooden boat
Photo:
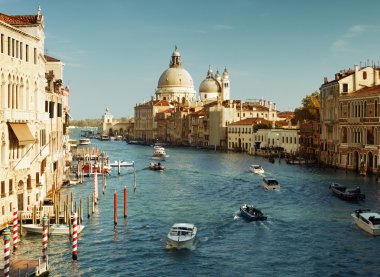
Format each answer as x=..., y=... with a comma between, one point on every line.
x=346, y=194
x=182, y=235
x=270, y=183
x=156, y=166
x=53, y=229
x=367, y=221
x=250, y=213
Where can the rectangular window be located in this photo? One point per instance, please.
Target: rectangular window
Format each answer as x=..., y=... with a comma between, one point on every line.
x=59, y=110
x=27, y=52
x=35, y=55
x=2, y=43
x=16, y=48
x=21, y=50
x=3, y=189
x=345, y=88
x=51, y=109
x=10, y=186
x=13, y=47
x=9, y=46
x=46, y=106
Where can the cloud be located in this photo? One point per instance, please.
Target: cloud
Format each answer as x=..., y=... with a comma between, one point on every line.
x=345, y=43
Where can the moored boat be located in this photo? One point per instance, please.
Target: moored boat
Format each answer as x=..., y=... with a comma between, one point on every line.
x=255, y=168
x=122, y=163
x=250, y=213
x=94, y=168
x=182, y=235
x=367, y=221
x=346, y=194
x=270, y=183
x=84, y=141
x=54, y=229
x=156, y=166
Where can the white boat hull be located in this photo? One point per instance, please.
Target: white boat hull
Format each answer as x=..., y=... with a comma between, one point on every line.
x=181, y=244
x=369, y=228
x=182, y=235
x=53, y=229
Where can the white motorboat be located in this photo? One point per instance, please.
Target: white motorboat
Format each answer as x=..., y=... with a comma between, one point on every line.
x=182, y=235
x=159, y=153
x=271, y=184
x=84, y=141
x=255, y=168
x=53, y=229
x=122, y=163
x=367, y=221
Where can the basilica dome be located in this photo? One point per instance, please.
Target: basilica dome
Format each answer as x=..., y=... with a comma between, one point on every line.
x=175, y=77
x=209, y=85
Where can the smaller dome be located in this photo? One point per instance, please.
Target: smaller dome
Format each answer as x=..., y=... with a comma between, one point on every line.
x=209, y=85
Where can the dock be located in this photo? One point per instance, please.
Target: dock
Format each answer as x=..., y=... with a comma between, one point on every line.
x=27, y=268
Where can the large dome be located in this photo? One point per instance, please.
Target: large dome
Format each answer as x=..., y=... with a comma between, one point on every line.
x=209, y=85
x=175, y=77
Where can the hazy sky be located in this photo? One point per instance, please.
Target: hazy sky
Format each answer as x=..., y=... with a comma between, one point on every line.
x=115, y=51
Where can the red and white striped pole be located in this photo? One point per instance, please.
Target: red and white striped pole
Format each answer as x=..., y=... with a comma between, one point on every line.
x=44, y=237
x=96, y=188
x=7, y=251
x=125, y=202
x=75, y=237
x=115, y=208
x=15, y=229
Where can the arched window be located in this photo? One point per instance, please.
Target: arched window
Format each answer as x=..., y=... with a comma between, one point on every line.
x=364, y=75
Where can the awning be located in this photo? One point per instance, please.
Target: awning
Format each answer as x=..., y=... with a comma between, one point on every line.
x=22, y=132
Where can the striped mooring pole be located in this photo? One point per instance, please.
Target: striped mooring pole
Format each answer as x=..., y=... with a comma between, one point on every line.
x=75, y=237
x=7, y=251
x=115, y=208
x=44, y=236
x=125, y=202
x=15, y=229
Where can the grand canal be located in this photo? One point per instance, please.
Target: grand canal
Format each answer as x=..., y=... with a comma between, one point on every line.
x=308, y=233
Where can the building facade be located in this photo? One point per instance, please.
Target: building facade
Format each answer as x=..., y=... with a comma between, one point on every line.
x=32, y=118
x=349, y=125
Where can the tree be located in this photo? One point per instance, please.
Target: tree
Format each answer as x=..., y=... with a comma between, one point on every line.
x=310, y=108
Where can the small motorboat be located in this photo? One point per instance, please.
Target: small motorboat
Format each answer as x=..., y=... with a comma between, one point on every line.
x=53, y=229
x=159, y=153
x=346, y=194
x=156, y=166
x=182, y=235
x=84, y=141
x=250, y=213
x=271, y=183
x=122, y=163
x=367, y=221
x=255, y=168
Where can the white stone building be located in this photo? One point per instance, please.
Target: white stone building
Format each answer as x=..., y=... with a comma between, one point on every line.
x=30, y=164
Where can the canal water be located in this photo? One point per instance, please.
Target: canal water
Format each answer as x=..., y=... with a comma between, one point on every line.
x=309, y=232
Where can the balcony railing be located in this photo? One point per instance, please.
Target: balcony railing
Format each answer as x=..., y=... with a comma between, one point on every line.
x=15, y=115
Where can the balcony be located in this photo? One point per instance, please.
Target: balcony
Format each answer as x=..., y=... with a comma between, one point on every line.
x=14, y=115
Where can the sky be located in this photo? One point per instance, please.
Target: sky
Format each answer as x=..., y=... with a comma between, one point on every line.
x=115, y=51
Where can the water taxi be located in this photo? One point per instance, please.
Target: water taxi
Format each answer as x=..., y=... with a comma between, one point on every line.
x=367, y=221
x=182, y=235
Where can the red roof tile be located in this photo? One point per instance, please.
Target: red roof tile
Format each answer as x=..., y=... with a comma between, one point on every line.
x=51, y=59
x=19, y=19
